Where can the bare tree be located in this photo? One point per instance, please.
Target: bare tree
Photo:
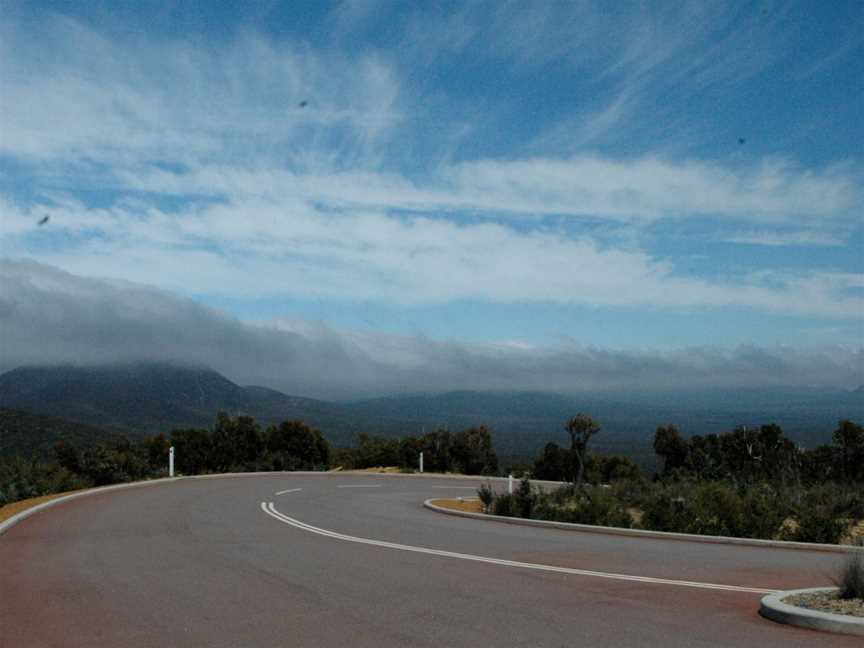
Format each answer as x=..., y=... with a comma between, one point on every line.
x=581, y=428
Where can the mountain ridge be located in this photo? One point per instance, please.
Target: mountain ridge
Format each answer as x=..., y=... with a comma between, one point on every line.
x=146, y=398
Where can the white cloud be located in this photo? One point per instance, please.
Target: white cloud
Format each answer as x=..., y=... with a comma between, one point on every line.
x=306, y=205
x=88, y=98
x=783, y=238
x=260, y=248
x=49, y=316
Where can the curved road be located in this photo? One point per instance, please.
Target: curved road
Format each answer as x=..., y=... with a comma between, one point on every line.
x=340, y=560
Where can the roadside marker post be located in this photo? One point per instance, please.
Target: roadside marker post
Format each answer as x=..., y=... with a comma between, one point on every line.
x=171, y=461
x=421, y=462
x=510, y=484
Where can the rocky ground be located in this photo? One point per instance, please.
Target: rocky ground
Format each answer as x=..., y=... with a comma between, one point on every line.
x=827, y=602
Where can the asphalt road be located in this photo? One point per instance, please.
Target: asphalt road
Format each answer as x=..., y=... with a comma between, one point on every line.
x=201, y=563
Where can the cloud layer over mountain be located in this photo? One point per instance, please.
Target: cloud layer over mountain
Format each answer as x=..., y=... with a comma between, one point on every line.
x=50, y=316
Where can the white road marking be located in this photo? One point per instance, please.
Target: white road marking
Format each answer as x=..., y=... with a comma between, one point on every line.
x=360, y=486
x=268, y=508
x=290, y=490
x=462, y=487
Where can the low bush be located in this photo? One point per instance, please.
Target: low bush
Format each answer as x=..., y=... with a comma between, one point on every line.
x=763, y=513
x=487, y=496
x=851, y=581
x=504, y=505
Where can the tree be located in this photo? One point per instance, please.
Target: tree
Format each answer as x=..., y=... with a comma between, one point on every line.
x=377, y=451
x=850, y=438
x=436, y=451
x=554, y=464
x=472, y=451
x=157, y=448
x=293, y=445
x=670, y=447
x=192, y=449
x=236, y=442
x=581, y=428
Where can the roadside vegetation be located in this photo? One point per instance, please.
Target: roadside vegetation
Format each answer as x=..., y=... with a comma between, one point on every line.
x=751, y=483
x=851, y=580
x=237, y=444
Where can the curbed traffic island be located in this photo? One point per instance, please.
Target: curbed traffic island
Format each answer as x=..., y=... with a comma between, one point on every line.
x=787, y=607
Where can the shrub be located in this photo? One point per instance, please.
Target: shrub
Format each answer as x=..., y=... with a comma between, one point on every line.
x=817, y=523
x=763, y=512
x=596, y=506
x=851, y=581
x=504, y=505
x=716, y=509
x=665, y=510
x=524, y=499
x=817, y=517
x=487, y=496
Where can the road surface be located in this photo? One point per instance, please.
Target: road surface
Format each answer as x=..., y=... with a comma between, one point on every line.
x=344, y=560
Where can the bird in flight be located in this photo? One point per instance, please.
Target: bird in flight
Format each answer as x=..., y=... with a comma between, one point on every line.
x=303, y=103
x=741, y=140
x=44, y=219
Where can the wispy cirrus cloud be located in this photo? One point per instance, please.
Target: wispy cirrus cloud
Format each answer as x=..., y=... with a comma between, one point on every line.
x=271, y=167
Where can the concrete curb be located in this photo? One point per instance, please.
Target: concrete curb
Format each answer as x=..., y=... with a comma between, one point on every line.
x=773, y=607
x=641, y=533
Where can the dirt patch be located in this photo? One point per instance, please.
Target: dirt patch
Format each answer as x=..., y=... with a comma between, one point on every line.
x=827, y=602
x=14, y=508
x=467, y=504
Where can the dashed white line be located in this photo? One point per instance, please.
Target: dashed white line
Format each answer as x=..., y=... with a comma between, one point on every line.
x=270, y=510
x=290, y=490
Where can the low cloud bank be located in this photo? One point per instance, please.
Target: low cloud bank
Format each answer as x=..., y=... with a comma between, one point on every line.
x=49, y=316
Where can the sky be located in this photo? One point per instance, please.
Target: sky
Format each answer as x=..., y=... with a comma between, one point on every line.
x=592, y=195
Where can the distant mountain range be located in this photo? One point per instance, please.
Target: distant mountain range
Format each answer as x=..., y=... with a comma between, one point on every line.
x=149, y=398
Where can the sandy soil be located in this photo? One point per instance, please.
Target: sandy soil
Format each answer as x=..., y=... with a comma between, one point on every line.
x=14, y=508
x=470, y=505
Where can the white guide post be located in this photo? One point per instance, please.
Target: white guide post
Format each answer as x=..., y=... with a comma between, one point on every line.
x=510, y=484
x=421, y=462
x=171, y=461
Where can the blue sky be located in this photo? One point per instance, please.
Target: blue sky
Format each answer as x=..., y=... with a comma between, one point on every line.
x=649, y=177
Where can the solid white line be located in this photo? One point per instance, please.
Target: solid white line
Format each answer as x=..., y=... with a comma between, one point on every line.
x=290, y=490
x=268, y=508
x=360, y=486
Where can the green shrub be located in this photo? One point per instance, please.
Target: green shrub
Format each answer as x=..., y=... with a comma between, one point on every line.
x=666, y=510
x=597, y=506
x=851, y=581
x=487, y=496
x=524, y=499
x=763, y=512
x=715, y=509
x=817, y=523
x=504, y=504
